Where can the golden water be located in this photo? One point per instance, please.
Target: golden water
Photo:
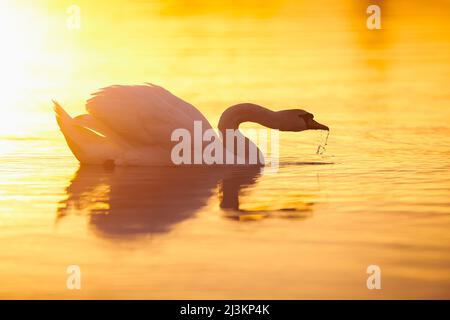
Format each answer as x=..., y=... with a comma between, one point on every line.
x=378, y=195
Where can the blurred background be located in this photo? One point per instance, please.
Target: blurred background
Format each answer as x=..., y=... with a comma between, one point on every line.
x=215, y=53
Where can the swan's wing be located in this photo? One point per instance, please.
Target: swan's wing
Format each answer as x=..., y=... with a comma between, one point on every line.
x=144, y=114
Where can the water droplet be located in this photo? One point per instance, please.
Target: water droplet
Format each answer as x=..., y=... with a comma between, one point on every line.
x=321, y=147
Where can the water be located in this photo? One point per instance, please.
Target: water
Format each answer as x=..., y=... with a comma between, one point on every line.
x=378, y=195
x=322, y=146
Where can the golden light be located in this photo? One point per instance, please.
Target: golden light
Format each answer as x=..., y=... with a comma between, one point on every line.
x=22, y=32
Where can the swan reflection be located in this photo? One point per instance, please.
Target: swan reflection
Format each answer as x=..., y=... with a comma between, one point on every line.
x=234, y=186
x=130, y=201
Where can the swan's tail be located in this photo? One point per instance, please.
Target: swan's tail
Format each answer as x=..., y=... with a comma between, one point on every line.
x=87, y=146
x=60, y=113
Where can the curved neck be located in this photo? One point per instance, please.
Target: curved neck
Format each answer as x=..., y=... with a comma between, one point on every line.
x=247, y=112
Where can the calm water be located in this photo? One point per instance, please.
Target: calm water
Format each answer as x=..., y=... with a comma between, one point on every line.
x=379, y=195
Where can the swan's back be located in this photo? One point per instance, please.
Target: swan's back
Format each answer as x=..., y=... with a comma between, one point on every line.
x=129, y=125
x=143, y=114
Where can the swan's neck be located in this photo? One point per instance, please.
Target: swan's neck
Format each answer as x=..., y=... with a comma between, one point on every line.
x=247, y=112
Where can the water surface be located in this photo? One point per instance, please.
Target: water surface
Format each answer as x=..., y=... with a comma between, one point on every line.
x=378, y=195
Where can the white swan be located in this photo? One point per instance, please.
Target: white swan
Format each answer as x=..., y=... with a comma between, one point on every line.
x=132, y=125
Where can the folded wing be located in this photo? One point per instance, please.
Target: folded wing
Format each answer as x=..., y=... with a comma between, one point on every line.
x=143, y=114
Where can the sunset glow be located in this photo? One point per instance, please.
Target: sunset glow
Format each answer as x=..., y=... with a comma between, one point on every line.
x=372, y=190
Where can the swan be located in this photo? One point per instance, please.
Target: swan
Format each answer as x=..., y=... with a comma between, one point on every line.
x=132, y=125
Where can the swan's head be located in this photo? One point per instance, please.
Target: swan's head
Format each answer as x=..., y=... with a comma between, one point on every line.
x=298, y=120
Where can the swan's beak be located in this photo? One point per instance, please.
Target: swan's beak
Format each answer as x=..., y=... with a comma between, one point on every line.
x=313, y=124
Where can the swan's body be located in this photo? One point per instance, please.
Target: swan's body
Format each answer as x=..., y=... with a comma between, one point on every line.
x=132, y=125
